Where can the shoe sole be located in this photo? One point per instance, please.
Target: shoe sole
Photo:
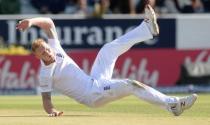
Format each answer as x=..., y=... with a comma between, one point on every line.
x=154, y=20
x=195, y=96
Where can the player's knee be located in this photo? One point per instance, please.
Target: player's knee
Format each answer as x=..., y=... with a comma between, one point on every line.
x=129, y=81
x=135, y=83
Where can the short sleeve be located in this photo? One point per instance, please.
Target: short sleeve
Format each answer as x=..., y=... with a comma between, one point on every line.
x=45, y=84
x=46, y=77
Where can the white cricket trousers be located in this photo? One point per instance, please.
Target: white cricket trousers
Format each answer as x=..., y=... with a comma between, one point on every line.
x=105, y=89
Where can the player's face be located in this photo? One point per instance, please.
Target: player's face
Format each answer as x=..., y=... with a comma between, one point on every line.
x=45, y=53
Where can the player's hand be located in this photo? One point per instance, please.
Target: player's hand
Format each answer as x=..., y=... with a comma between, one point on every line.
x=55, y=114
x=23, y=25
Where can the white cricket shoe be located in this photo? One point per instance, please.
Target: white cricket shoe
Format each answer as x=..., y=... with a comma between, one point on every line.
x=182, y=104
x=151, y=20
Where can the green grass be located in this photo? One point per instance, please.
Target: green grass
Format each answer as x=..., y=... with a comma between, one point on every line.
x=27, y=110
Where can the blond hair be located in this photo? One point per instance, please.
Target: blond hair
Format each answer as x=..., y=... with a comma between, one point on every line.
x=36, y=44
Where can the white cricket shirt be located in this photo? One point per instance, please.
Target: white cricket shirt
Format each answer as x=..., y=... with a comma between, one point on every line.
x=64, y=75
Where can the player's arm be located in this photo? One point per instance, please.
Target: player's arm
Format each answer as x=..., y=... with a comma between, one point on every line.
x=44, y=23
x=48, y=106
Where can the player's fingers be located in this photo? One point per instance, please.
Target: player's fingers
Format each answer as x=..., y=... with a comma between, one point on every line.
x=19, y=22
x=52, y=114
x=60, y=113
x=55, y=114
x=18, y=26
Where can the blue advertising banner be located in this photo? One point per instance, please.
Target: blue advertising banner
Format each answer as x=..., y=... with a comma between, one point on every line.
x=89, y=33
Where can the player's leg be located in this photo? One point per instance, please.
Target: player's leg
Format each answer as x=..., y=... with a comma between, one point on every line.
x=110, y=90
x=175, y=105
x=104, y=64
x=107, y=56
x=114, y=89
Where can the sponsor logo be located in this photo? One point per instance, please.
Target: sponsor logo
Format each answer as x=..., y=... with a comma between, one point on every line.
x=13, y=76
x=59, y=55
x=107, y=88
x=182, y=104
x=78, y=36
